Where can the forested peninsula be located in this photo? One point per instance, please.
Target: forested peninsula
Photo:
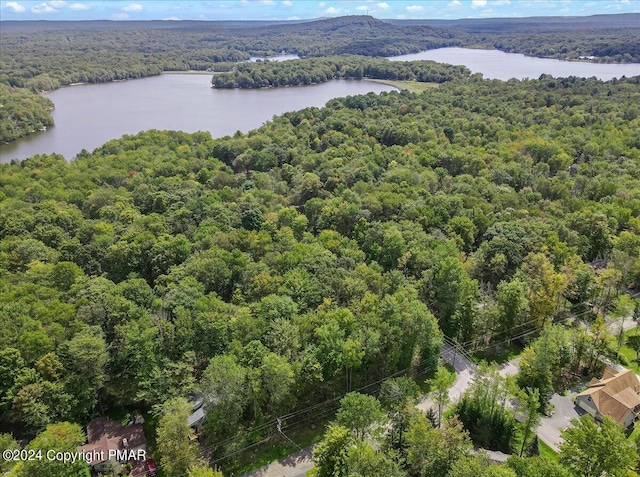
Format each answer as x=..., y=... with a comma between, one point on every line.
x=332, y=250
x=22, y=112
x=320, y=70
x=42, y=56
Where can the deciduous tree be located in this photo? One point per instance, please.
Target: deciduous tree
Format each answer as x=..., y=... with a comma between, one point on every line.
x=593, y=449
x=177, y=452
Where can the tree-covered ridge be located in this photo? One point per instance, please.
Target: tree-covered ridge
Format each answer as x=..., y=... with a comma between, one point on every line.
x=46, y=59
x=22, y=112
x=607, y=38
x=319, y=254
x=320, y=70
x=606, y=46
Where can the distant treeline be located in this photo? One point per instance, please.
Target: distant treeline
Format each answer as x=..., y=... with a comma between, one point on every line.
x=616, y=46
x=609, y=38
x=320, y=70
x=47, y=59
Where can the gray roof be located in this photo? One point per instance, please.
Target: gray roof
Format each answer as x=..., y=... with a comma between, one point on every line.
x=196, y=417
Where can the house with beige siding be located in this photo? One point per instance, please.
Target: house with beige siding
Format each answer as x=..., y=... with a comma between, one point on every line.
x=616, y=395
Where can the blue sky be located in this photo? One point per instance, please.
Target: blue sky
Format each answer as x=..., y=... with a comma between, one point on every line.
x=302, y=9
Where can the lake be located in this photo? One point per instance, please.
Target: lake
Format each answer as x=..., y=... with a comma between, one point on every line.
x=87, y=116
x=495, y=64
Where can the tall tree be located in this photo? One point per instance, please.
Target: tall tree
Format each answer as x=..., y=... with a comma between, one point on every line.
x=277, y=382
x=85, y=358
x=224, y=388
x=439, y=385
x=331, y=455
x=60, y=437
x=546, y=287
x=538, y=466
x=432, y=452
x=398, y=396
x=360, y=413
x=364, y=461
x=528, y=413
x=203, y=471
x=590, y=449
x=177, y=452
x=513, y=305
x=7, y=443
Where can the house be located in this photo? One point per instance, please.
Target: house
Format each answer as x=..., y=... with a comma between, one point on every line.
x=109, y=440
x=196, y=419
x=615, y=395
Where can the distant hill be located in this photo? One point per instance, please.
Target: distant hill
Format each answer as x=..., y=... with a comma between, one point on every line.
x=47, y=25
x=530, y=24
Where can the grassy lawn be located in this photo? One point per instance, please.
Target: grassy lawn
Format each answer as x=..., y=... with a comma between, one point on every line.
x=629, y=353
x=413, y=86
x=547, y=451
x=498, y=355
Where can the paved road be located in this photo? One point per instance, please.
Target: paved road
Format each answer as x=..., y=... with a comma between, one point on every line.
x=550, y=427
x=457, y=361
x=510, y=368
x=294, y=465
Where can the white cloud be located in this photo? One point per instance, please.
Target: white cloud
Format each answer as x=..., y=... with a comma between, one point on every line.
x=332, y=10
x=502, y=2
x=57, y=3
x=15, y=7
x=322, y=4
x=455, y=3
x=383, y=6
x=287, y=3
x=268, y=2
x=478, y=3
x=132, y=7
x=79, y=6
x=120, y=16
x=293, y=18
x=414, y=8
x=172, y=19
x=362, y=8
x=42, y=9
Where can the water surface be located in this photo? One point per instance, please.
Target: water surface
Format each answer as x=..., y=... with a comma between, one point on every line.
x=495, y=64
x=87, y=116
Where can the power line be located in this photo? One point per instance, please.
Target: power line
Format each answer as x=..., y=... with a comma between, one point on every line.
x=284, y=422
x=424, y=362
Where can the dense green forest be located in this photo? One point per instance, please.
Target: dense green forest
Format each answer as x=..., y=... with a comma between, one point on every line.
x=274, y=272
x=320, y=70
x=22, y=112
